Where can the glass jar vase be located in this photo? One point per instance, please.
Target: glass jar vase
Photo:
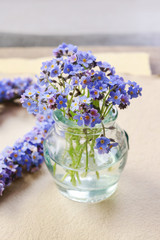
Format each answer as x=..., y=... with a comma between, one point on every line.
x=80, y=172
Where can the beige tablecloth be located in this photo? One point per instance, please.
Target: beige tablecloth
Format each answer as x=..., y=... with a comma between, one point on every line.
x=134, y=63
x=33, y=209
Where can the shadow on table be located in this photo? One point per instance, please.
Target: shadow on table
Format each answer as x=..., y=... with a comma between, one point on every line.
x=20, y=185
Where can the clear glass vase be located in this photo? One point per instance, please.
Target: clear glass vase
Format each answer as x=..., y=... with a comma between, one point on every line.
x=80, y=172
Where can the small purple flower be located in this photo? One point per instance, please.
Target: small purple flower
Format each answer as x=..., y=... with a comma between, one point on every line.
x=58, y=52
x=61, y=102
x=28, y=162
x=100, y=76
x=35, y=110
x=75, y=81
x=6, y=152
x=19, y=172
x=64, y=49
x=85, y=58
x=101, y=87
x=80, y=119
x=135, y=91
x=102, y=142
x=55, y=71
x=17, y=155
x=75, y=104
x=40, y=117
x=36, y=157
x=110, y=146
x=36, y=139
x=42, y=80
x=68, y=88
x=73, y=58
x=51, y=102
x=48, y=94
x=84, y=99
x=104, y=66
x=94, y=112
x=30, y=92
x=68, y=68
x=101, y=150
x=132, y=84
x=71, y=49
x=2, y=165
x=125, y=99
x=43, y=108
x=52, y=64
x=85, y=81
x=30, y=105
x=113, y=80
x=87, y=117
x=49, y=116
x=95, y=120
x=139, y=90
x=115, y=97
x=27, y=145
x=77, y=68
x=94, y=93
x=92, y=85
x=45, y=66
x=121, y=88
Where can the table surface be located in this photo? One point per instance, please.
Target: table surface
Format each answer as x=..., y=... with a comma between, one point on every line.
x=33, y=209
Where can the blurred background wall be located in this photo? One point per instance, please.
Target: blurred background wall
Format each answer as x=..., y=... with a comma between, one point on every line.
x=83, y=22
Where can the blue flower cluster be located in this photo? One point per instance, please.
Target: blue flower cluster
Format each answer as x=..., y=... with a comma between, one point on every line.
x=26, y=154
x=74, y=82
x=83, y=88
x=11, y=89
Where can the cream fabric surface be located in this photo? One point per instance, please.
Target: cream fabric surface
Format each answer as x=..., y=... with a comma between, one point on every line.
x=129, y=63
x=33, y=209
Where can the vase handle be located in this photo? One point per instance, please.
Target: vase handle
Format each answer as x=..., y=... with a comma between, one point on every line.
x=127, y=137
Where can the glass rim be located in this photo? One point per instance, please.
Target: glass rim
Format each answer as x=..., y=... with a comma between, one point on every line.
x=66, y=123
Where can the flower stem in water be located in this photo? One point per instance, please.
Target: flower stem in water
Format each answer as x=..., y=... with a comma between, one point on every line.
x=86, y=153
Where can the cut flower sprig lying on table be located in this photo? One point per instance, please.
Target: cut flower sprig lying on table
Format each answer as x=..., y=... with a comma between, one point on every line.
x=82, y=88
x=26, y=155
x=13, y=89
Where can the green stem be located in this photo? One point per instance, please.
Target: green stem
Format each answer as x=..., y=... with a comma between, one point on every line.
x=97, y=174
x=69, y=104
x=108, y=110
x=77, y=175
x=62, y=80
x=104, y=101
x=103, y=105
x=54, y=169
x=51, y=84
x=103, y=129
x=34, y=100
x=80, y=156
x=64, y=176
x=63, y=110
x=86, y=153
x=92, y=144
x=88, y=93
